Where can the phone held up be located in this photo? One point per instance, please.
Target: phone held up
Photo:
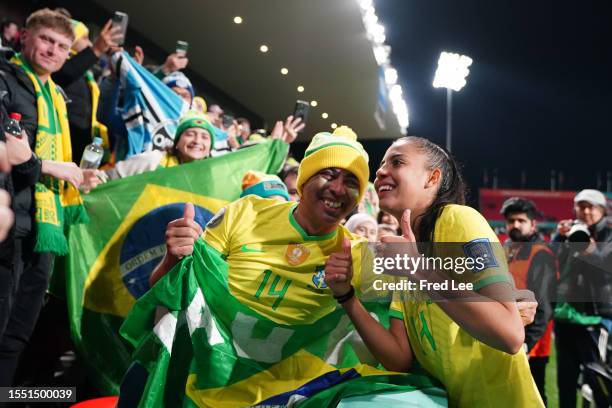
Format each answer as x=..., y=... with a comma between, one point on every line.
x=120, y=19
x=181, y=48
x=301, y=110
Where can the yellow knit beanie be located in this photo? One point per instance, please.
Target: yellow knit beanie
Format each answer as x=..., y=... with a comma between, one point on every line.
x=340, y=150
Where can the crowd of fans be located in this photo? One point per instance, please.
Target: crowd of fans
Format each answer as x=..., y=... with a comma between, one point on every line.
x=52, y=67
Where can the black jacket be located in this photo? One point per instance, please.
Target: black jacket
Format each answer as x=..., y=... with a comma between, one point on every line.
x=586, y=280
x=72, y=79
x=17, y=93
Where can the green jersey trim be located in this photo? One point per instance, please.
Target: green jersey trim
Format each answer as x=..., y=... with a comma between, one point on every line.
x=396, y=314
x=303, y=233
x=491, y=280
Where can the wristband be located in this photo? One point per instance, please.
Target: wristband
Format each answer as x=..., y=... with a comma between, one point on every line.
x=346, y=297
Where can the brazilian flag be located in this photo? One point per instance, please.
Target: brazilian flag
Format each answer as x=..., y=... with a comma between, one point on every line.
x=110, y=259
x=202, y=347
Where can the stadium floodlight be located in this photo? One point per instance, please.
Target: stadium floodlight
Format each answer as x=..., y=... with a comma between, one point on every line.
x=375, y=32
x=366, y=5
x=381, y=54
x=390, y=76
x=451, y=74
x=396, y=95
x=452, y=71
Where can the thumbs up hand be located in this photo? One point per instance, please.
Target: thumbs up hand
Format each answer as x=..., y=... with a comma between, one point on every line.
x=182, y=233
x=339, y=270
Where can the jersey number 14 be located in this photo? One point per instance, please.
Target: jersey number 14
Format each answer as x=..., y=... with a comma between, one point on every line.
x=273, y=289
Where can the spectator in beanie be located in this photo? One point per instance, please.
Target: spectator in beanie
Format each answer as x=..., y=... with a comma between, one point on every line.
x=181, y=85
x=363, y=225
x=264, y=185
x=194, y=137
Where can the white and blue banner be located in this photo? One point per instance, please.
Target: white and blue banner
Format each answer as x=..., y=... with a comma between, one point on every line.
x=150, y=109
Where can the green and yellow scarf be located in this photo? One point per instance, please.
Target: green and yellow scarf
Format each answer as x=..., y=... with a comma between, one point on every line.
x=58, y=203
x=97, y=128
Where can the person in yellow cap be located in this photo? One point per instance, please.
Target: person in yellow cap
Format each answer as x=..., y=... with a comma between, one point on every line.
x=332, y=178
x=276, y=255
x=284, y=242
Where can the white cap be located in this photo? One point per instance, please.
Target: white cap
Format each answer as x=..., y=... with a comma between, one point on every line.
x=594, y=197
x=358, y=219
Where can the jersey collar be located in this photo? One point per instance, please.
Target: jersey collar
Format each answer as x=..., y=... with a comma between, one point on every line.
x=303, y=233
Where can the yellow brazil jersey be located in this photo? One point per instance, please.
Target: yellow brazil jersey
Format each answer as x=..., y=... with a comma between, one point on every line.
x=474, y=374
x=275, y=268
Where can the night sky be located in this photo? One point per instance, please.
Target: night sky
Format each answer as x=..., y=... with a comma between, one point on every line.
x=539, y=93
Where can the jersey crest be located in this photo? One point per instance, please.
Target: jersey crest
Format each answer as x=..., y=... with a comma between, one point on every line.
x=296, y=254
x=318, y=278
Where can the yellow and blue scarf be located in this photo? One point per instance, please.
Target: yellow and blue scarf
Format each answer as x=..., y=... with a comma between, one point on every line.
x=58, y=203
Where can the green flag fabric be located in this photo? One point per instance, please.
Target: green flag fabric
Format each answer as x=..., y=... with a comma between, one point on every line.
x=207, y=349
x=111, y=258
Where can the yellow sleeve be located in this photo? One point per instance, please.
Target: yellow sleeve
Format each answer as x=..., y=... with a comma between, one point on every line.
x=463, y=234
x=359, y=252
x=219, y=230
x=363, y=276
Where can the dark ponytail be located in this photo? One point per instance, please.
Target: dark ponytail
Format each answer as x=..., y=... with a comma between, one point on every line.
x=452, y=187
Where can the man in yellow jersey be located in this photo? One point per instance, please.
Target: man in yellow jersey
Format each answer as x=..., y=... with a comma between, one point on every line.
x=275, y=254
x=257, y=235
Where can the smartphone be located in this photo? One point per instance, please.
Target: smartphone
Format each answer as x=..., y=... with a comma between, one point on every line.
x=181, y=48
x=120, y=19
x=301, y=110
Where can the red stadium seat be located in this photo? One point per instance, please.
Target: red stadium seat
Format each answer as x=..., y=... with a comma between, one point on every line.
x=105, y=402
